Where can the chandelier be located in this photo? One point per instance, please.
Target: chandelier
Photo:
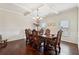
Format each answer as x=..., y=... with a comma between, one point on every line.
x=37, y=20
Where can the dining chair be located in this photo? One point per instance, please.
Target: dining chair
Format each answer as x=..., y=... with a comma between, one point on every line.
x=35, y=39
x=56, y=41
x=27, y=34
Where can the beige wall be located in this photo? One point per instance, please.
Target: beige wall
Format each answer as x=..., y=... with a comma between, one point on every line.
x=70, y=15
x=12, y=25
x=78, y=28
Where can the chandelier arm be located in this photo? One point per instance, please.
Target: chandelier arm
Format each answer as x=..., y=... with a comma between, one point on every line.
x=37, y=12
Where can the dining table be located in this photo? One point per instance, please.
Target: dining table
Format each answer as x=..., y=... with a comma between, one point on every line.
x=45, y=40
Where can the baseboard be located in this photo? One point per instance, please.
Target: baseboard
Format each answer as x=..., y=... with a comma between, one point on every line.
x=15, y=40
x=70, y=42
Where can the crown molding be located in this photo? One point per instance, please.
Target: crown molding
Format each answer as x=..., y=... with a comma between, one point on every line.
x=10, y=11
x=27, y=9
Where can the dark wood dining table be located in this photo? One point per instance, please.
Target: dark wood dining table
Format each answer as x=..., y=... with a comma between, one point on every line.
x=45, y=41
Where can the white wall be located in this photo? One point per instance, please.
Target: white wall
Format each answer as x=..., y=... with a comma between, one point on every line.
x=78, y=28
x=71, y=16
x=12, y=25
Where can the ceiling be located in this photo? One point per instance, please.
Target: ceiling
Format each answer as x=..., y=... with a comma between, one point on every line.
x=30, y=8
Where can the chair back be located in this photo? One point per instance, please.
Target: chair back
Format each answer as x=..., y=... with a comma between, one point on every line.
x=27, y=33
x=41, y=32
x=47, y=32
x=34, y=32
x=59, y=34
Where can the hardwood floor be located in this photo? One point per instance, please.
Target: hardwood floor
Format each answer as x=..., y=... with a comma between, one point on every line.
x=19, y=47
x=69, y=48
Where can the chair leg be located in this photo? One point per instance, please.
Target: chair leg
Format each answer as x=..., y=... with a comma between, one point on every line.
x=6, y=44
x=55, y=50
x=27, y=41
x=59, y=49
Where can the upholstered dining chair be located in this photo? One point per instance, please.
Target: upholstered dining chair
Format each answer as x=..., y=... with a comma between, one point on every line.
x=58, y=41
x=3, y=43
x=55, y=43
x=27, y=34
x=35, y=39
